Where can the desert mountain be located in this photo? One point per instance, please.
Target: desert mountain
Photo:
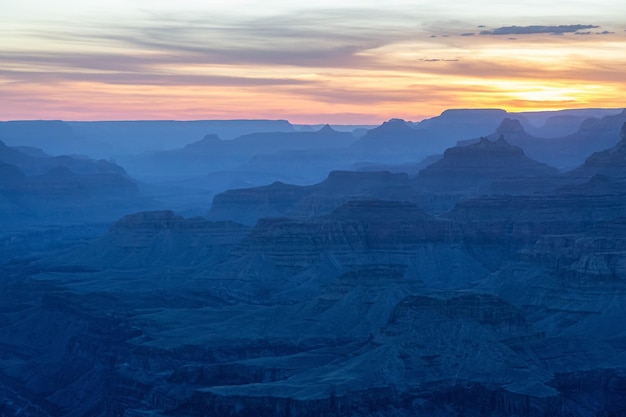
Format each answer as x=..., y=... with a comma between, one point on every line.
x=212, y=154
x=395, y=141
x=113, y=138
x=463, y=171
x=45, y=189
x=565, y=151
x=480, y=164
x=280, y=200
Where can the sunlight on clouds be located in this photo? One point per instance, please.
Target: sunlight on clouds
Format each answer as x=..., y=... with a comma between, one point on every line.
x=545, y=93
x=196, y=59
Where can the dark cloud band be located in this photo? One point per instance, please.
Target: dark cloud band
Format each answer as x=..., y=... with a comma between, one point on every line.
x=536, y=29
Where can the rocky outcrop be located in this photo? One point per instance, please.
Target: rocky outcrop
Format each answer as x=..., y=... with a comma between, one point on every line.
x=161, y=238
x=480, y=164
x=565, y=152
x=284, y=200
x=596, y=255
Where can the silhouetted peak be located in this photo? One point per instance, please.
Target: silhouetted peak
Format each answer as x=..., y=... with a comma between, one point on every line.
x=208, y=141
x=623, y=132
x=456, y=113
x=485, y=143
x=393, y=126
x=211, y=137
x=327, y=129
x=510, y=126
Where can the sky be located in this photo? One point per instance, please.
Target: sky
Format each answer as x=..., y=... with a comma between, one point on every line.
x=341, y=61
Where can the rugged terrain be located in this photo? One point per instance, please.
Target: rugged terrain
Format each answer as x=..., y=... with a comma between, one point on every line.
x=357, y=296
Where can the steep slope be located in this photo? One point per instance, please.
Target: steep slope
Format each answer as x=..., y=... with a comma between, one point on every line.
x=477, y=166
x=609, y=163
x=395, y=141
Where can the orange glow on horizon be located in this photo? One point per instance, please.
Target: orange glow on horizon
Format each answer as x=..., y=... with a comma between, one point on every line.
x=409, y=79
x=408, y=99
x=316, y=63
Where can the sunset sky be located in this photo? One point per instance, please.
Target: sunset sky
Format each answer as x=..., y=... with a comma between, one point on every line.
x=310, y=62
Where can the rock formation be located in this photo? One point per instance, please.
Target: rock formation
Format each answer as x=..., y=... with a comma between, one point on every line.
x=480, y=164
x=563, y=152
x=279, y=200
x=62, y=189
x=349, y=297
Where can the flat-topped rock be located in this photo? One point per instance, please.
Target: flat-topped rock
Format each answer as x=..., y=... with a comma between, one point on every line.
x=480, y=164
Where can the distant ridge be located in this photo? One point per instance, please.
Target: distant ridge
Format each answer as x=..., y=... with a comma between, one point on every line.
x=609, y=163
x=565, y=152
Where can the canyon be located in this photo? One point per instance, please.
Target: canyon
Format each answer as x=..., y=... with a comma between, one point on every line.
x=487, y=283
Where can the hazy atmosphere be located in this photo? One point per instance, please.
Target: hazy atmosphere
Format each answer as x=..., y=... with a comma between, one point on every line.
x=319, y=209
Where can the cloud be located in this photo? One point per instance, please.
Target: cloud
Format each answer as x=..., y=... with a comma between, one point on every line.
x=439, y=60
x=537, y=29
x=328, y=38
x=146, y=79
x=468, y=34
